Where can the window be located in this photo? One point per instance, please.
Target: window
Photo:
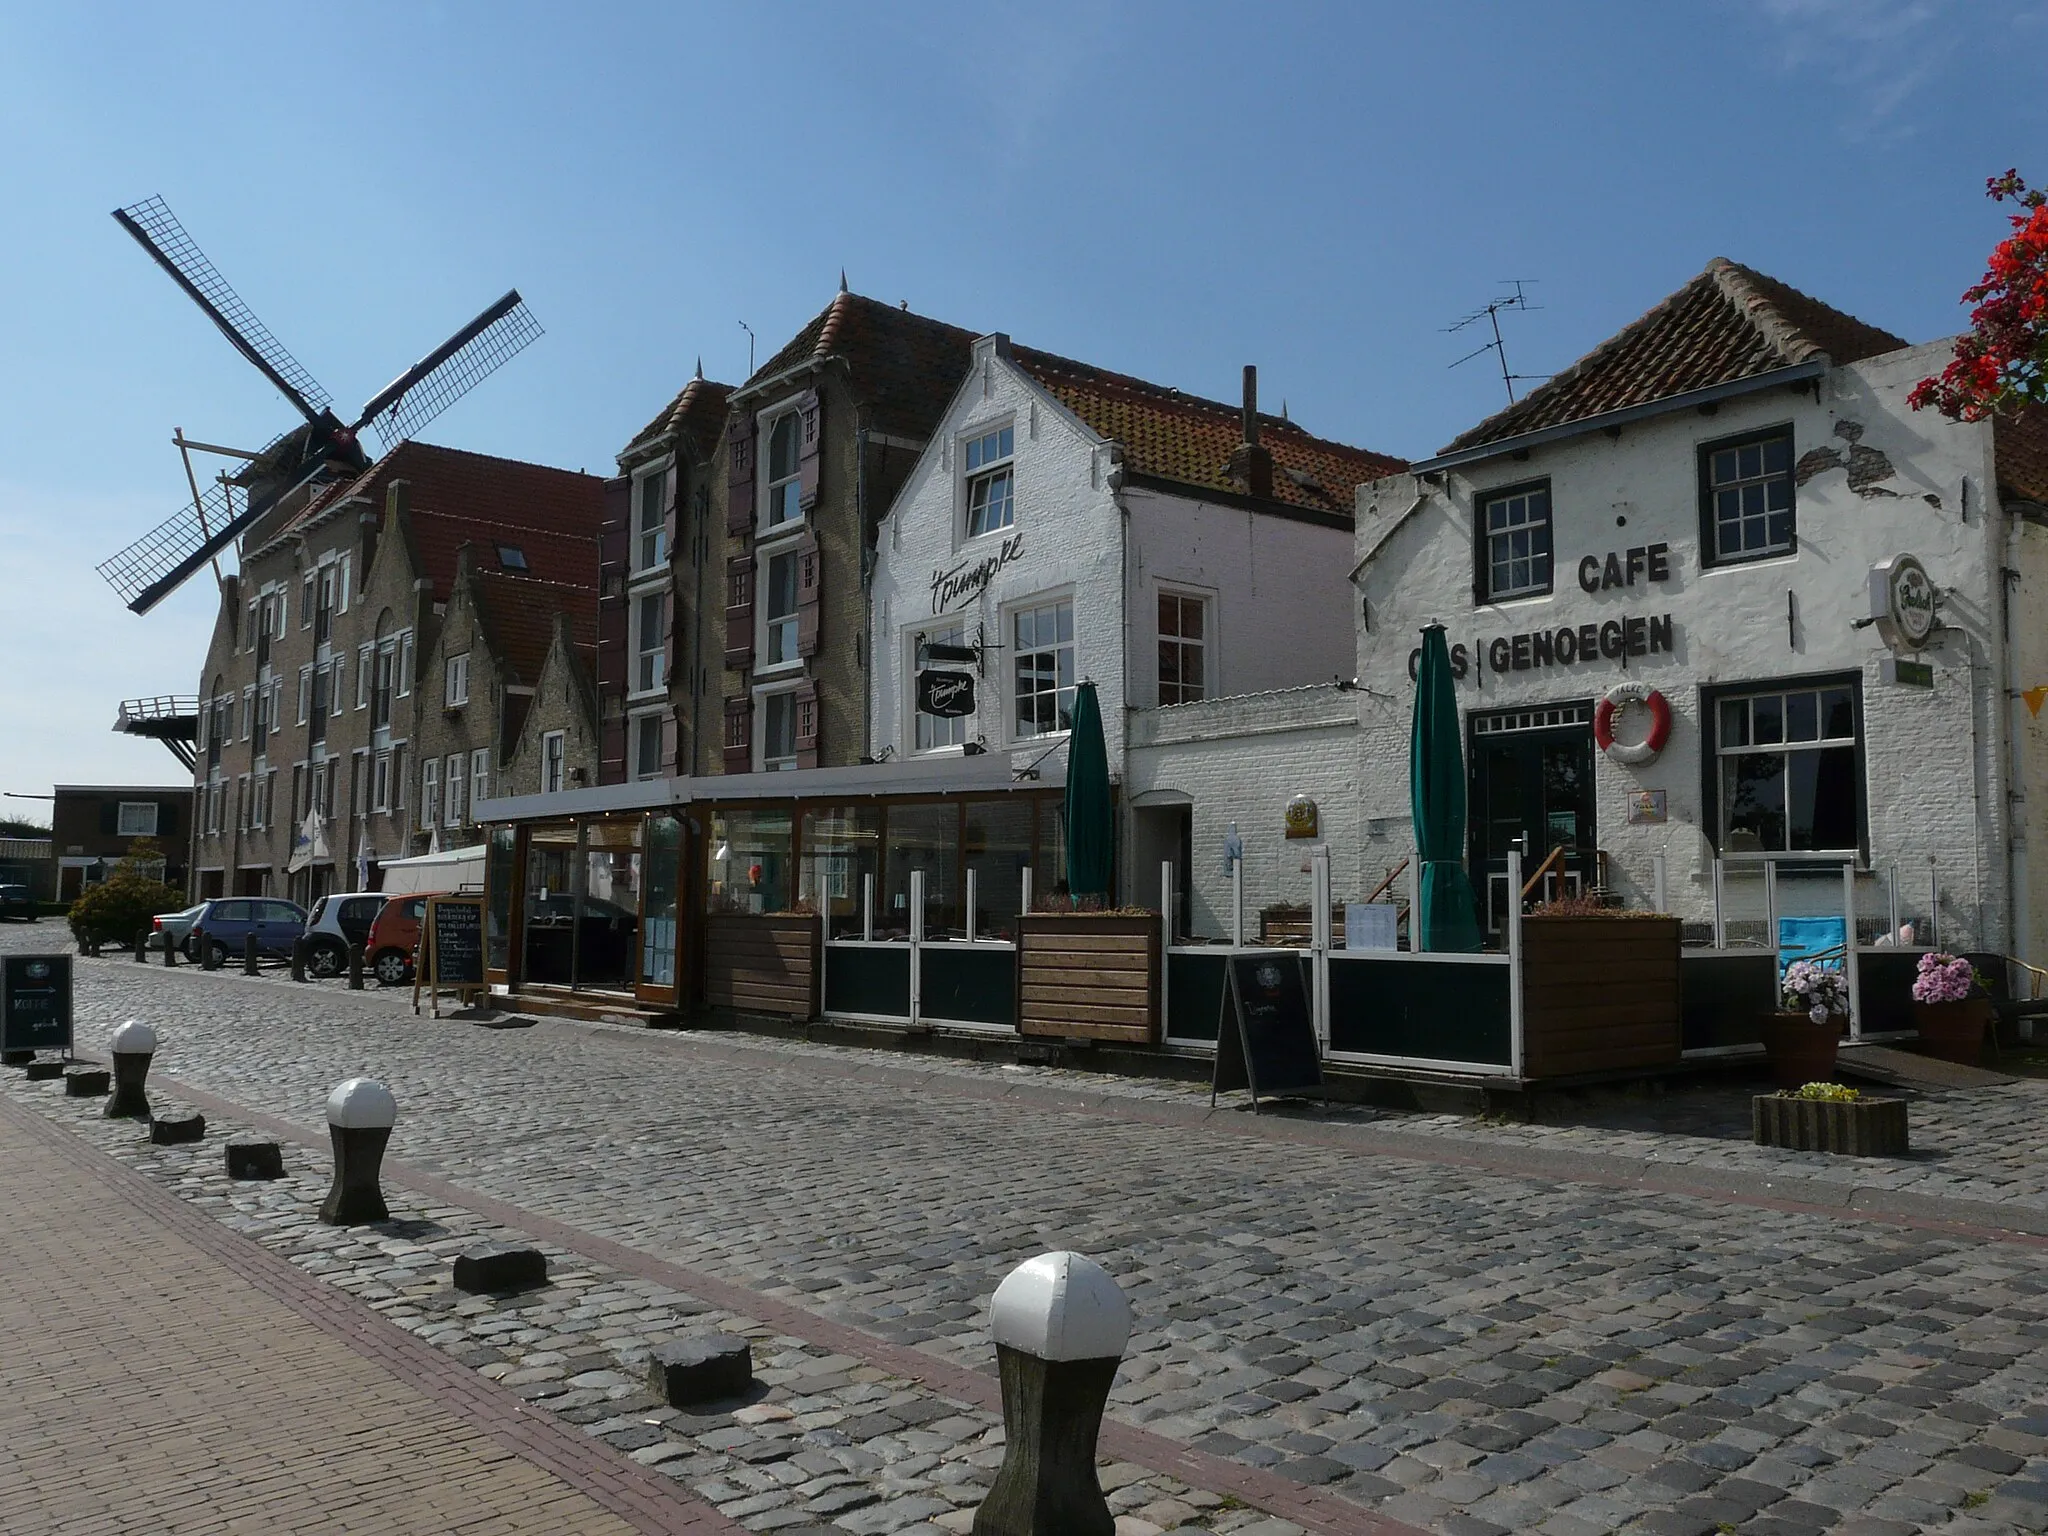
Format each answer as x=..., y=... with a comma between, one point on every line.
x=1788, y=779
x=479, y=777
x=785, y=457
x=991, y=499
x=343, y=571
x=779, y=642
x=136, y=818
x=935, y=731
x=430, y=791
x=323, y=615
x=651, y=543
x=380, y=688
x=455, y=785
x=1746, y=497
x=380, y=782
x=554, y=747
x=306, y=600
x=1183, y=648
x=305, y=693
x=649, y=611
x=1044, y=639
x=323, y=691
x=364, y=670
x=647, y=747
x=778, y=731
x=1515, y=557
x=511, y=557
x=458, y=680
x=405, y=663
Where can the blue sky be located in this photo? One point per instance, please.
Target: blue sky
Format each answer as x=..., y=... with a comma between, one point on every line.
x=1168, y=190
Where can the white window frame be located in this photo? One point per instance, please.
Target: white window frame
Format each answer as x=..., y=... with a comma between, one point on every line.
x=430, y=791
x=1206, y=645
x=650, y=655
x=765, y=488
x=403, y=670
x=343, y=569
x=121, y=818
x=656, y=475
x=554, y=761
x=953, y=632
x=455, y=681
x=764, y=624
x=1004, y=462
x=479, y=778
x=454, y=806
x=638, y=728
x=305, y=694
x=1012, y=725
x=380, y=783
x=762, y=762
x=366, y=671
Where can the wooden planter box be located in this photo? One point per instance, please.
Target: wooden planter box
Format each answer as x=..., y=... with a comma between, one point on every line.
x=1089, y=977
x=1599, y=994
x=1859, y=1127
x=766, y=965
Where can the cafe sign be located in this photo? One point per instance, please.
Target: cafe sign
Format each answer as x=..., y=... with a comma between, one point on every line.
x=1902, y=602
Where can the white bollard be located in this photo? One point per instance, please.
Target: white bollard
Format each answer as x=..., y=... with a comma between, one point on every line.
x=360, y=1114
x=133, y=1045
x=1061, y=1324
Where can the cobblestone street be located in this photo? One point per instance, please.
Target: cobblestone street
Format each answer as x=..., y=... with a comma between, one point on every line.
x=1420, y=1317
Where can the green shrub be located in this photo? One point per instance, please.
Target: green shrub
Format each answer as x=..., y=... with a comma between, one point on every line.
x=120, y=905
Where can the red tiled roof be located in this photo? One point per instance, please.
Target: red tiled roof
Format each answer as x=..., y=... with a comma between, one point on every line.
x=518, y=613
x=1729, y=323
x=698, y=412
x=903, y=366
x=2019, y=447
x=458, y=497
x=1184, y=438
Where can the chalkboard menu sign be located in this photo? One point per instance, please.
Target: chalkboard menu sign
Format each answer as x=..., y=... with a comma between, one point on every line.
x=1266, y=1041
x=35, y=1003
x=451, y=948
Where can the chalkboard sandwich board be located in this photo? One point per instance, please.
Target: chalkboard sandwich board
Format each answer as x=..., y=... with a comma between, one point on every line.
x=1266, y=1040
x=35, y=1003
x=451, y=949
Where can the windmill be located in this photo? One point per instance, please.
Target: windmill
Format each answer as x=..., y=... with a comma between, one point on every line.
x=155, y=565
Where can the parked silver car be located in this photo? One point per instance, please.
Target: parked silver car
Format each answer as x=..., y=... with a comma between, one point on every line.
x=175, y=928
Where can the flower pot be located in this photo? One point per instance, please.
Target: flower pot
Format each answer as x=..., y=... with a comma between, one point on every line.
x=1799, y=1050
x=1954, y=1031
x=1859, y=1128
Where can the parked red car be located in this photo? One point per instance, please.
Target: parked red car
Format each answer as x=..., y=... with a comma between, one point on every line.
x=394, y=936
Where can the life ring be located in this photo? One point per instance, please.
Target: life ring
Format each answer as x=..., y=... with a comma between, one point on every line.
x=1619, y=697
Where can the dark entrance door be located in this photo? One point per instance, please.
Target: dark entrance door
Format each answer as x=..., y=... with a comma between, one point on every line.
x=1532, y=786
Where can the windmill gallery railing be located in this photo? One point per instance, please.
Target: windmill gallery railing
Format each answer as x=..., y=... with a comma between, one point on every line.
x=172, y=719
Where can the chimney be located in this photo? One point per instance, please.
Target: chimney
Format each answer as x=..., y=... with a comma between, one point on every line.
x=1251, y=464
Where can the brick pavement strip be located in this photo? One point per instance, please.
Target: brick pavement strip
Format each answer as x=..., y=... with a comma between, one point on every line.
x=1450, y=1342
x=162, y=1374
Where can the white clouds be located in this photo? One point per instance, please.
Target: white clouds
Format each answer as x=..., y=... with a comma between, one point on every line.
x=1881, y=56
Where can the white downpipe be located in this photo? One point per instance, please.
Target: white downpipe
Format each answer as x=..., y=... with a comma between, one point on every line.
x=1165, y=944
x=1516, y=1053
x=1319, y=940
x=1659, y=898
x=867, y=909
x=916, y=947
x=1849, y=964
x=1771, y=905
x=1024, y=898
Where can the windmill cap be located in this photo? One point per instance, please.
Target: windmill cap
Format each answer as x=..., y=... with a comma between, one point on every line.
x=135, y=1038
x=1062, y=1306
x=362, y=1104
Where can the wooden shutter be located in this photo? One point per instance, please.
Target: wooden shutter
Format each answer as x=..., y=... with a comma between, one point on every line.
x=611, y=751
x=810, y=440
x=613, y=544
x=739, y=473
x=807, y=725
x=739, y=734
x=739, y=611
x=809, y=590
x=668, y=742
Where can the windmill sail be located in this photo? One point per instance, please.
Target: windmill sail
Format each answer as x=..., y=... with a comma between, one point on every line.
x=451, y=370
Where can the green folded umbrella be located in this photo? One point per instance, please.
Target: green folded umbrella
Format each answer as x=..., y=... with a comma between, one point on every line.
x=1448, y=921
x=1091, y=829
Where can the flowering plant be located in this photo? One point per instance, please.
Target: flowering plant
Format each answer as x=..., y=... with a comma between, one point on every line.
x=2002, y=360
x=1826, y=1093
x=1814, y=990
x=1946, y=978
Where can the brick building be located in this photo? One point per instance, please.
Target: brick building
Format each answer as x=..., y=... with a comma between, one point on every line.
x=310, y=706
x=92, y=827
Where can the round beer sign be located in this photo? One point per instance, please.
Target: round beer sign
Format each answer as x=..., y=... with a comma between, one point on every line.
x=1902, y=602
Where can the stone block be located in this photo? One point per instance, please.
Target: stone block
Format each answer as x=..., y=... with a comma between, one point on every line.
x=16, y=1058
x=1855, y=1127
x=249, y=1158
x=172, y=1127
x=702, y=1369
x=86, y=1082
x=500, y=1267
x=42, y=1071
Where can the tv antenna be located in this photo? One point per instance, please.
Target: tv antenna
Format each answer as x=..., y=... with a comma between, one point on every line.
x=1490, y=313
x=319, y=448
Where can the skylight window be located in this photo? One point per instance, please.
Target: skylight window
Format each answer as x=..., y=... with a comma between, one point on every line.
x=511, y=557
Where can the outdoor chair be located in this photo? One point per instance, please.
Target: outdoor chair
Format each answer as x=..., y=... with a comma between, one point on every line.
x=2007, y=1010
